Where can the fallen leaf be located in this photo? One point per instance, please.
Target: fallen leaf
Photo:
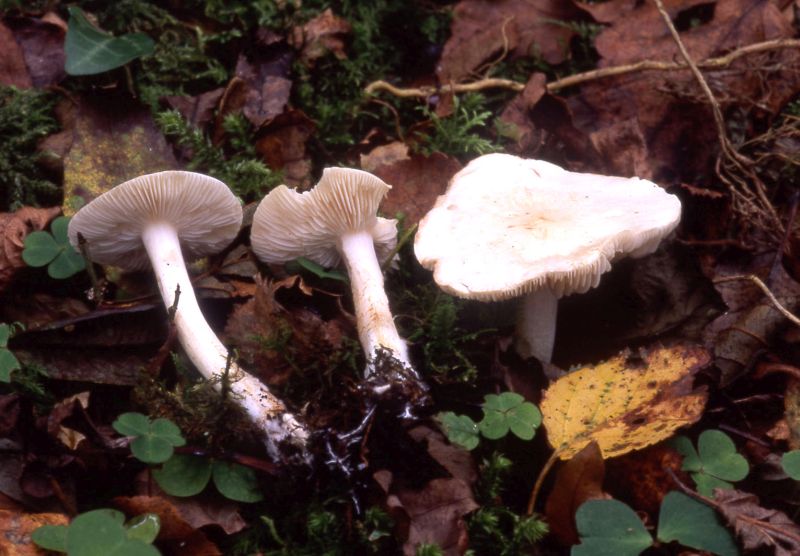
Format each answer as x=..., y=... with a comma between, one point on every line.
x=653, y=481
x=578, y=480
x=322, y=34
x=455, y=459
x=197, y=110
x=42, y=43
x=751, y=321
x=115, y=140
x=434, y=514
x=756, y=526
x=625, y=403
x=516, y=116
x=13, y=70
x=483, y=30
x=282, y=145
x=16, y=529
x=14, y=228
x=666, y=106
x=384, y=155
x=267, y=88
x=416, y=183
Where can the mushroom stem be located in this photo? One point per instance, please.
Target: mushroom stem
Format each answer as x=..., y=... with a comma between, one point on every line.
x=205, y=350
x=374, y=320
x=536, y=325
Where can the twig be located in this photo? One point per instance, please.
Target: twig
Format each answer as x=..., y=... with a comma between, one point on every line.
x=578, y=78
x=757, y=281
x=174, y=308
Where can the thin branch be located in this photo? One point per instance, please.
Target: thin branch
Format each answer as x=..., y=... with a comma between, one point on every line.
x=578, y=78
x=763, y=287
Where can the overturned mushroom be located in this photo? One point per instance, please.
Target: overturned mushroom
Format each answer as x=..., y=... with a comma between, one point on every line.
x=337, y=221
x=509, y=227
x=156, y=217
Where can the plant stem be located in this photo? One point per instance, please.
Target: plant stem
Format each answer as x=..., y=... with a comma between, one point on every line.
x=540, y=479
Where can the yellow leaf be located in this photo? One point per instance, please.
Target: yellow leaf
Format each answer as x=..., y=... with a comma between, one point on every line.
x=626, y=403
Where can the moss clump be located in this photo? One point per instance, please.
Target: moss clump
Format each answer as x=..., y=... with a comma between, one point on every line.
x=26, y=117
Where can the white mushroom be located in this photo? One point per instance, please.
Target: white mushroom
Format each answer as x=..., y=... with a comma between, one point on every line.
x=509, y=227
x=156, y=217
x=337, y=221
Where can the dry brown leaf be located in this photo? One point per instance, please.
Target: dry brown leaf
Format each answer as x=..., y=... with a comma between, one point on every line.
x=266, y=87
x=384, y=155
x=16, y=529
x=282, y=145
x=42, y=43
x=666, y=106
x=13, y=70
x=516, y=115
x=416, y=183
x=653, y=480
x=325, y=33
x=756, y=526
x=484, y=30
x=433, y=515
x=578, y=480
x=14, y=227
x=626, y=403
x=197, y=110
x=455, y=459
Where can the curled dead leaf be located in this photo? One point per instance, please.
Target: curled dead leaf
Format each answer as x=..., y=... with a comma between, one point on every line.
x=14, y=227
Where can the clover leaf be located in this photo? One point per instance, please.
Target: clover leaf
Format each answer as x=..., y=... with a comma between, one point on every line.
x=155, y=439
x=693, y=524
x=187, y=475
x=509, y=411
x=460, y=429
x=714, y=464
x=101, y=533
x=791, y=464
x=53, y=250
x=609, y=528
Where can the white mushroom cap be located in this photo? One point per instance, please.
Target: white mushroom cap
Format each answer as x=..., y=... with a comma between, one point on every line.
x=203, y=210
x=507, y=226
x=288, y=224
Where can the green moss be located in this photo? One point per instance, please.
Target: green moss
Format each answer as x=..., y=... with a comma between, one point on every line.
x=464, y=132
x=26, y=117
x=239, y=167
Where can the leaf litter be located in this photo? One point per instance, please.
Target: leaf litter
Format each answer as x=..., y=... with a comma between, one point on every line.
x=297, y=330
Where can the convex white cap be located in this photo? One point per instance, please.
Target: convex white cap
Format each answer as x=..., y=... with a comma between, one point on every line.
x=507, y=226
x=202, y=210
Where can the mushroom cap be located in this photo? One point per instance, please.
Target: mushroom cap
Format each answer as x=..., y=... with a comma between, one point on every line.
x=204, y=212
x=288, y=224
x=507, y=226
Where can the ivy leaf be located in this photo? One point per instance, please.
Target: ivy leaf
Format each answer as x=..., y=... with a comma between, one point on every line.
x=609, y=528
x=155, y=439
x=693, y=524
x=53, y=250
x=714, y=464
x=791, y=464
x=236, y=482
x=90, y=51
x=460, y=429
x=183, y=475
x=509, y=411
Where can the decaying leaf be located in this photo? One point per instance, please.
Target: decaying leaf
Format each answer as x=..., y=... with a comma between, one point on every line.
x=324, y=33
x=434, y=514
x=486, y=29
x=578, y=480
x=628, y=402
x=14, y=227
x=416, y=184
x=16, y=529
x=13, y=70
x=756, y=526
x=282, y=145
x=42, y=43
x=115, y=140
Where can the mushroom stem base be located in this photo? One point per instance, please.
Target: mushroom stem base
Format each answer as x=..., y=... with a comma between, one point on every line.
x=205, y=350
x=536, y=325
x=376, y=329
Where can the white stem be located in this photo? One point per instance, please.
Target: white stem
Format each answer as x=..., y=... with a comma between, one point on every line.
x=374, y=320
x=203, y=347
x=536, y=325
